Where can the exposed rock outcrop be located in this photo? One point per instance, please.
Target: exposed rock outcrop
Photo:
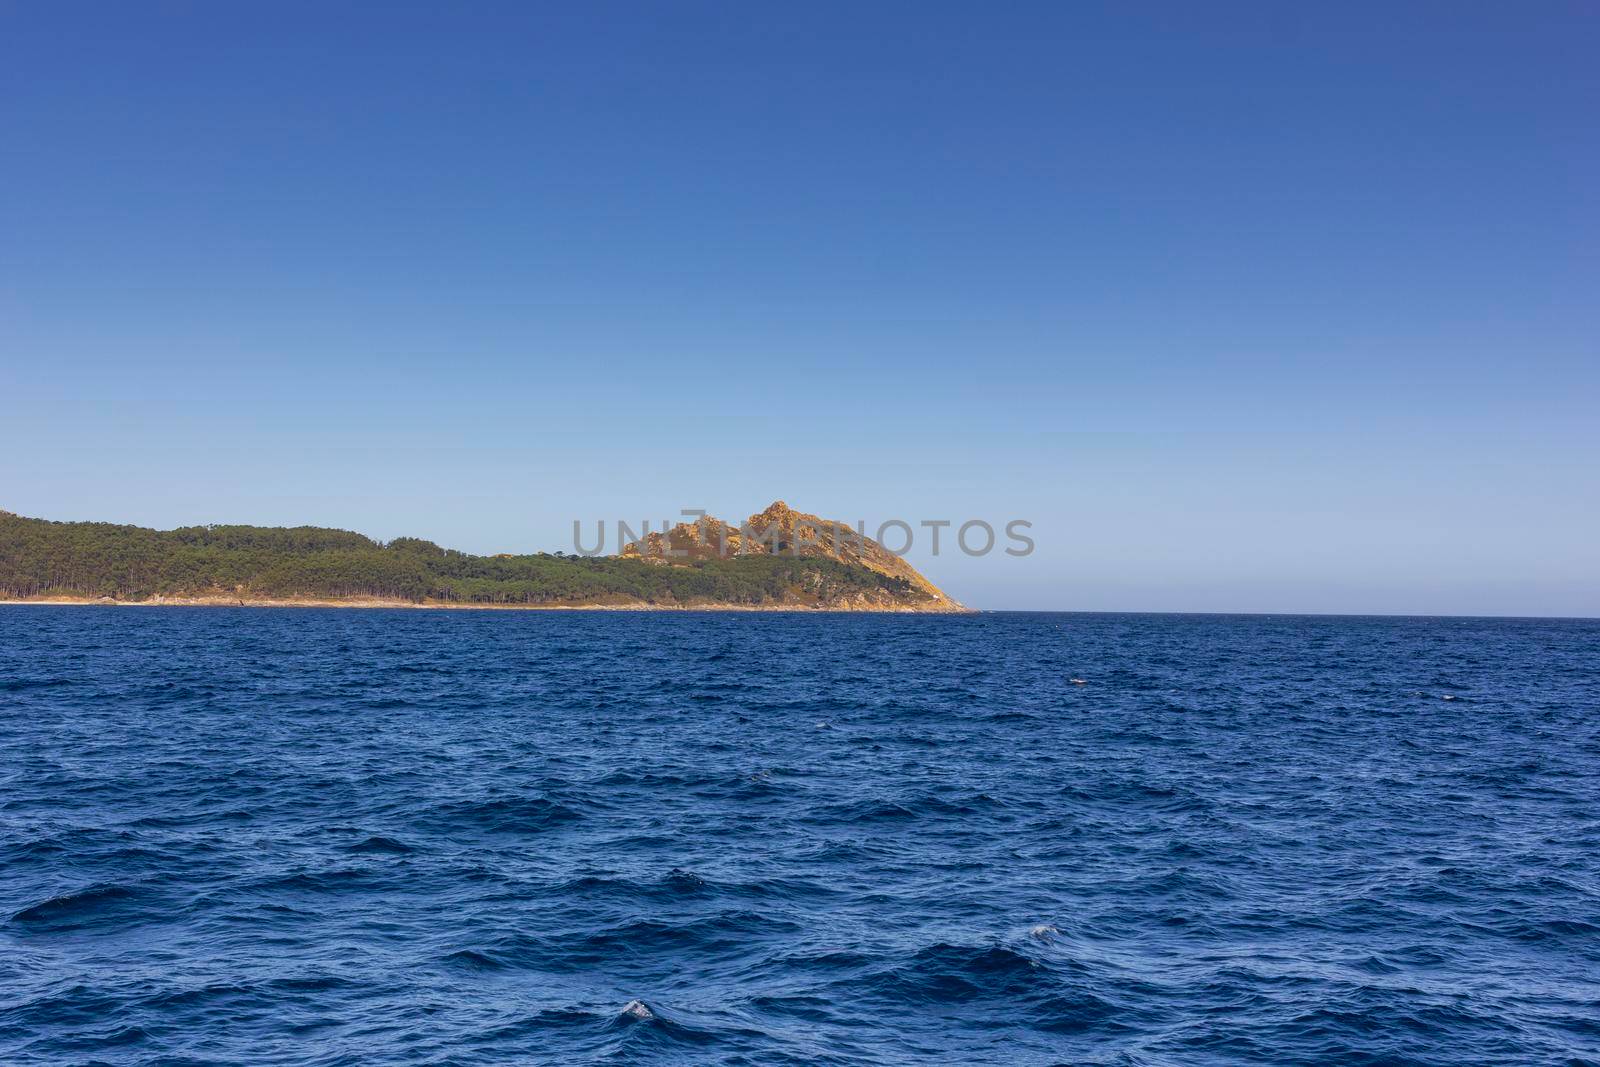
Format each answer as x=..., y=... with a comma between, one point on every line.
x=781, y=530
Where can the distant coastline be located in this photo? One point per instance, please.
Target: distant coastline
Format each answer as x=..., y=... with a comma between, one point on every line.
x=378, y=603
x=779, y=560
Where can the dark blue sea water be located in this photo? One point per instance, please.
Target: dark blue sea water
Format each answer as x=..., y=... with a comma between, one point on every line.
x=375, y=837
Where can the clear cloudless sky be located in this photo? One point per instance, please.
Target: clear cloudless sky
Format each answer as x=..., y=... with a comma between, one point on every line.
x=1245, y=306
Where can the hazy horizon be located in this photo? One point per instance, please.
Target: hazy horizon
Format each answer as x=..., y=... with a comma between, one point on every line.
x=1285, y=312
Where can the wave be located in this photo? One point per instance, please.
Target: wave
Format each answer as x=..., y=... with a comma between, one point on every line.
x=383, y=845
x=95, y=906
x=504, y=815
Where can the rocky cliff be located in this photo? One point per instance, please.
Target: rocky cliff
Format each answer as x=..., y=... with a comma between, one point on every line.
x=782, y=531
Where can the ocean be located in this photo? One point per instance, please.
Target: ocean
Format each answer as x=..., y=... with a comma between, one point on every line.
x=327, y=837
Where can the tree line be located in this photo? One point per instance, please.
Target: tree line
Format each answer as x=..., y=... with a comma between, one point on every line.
x=40, y=558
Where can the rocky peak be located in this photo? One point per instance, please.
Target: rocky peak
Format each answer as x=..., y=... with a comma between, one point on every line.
x=777, y=511
x=779, y=529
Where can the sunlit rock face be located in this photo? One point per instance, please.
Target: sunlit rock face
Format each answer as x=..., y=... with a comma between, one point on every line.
x=781, y=530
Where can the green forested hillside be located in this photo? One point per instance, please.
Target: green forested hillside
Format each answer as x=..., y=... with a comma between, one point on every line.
x=39, y=558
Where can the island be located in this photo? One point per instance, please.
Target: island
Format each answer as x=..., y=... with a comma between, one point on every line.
x=777, y=560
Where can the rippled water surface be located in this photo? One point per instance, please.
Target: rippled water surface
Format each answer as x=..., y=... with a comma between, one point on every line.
x=370, y=837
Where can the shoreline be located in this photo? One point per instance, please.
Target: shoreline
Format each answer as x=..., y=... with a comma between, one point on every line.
x=375, y=603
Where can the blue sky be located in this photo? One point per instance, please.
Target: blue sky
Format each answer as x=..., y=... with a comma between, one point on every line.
x=1246, y=307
